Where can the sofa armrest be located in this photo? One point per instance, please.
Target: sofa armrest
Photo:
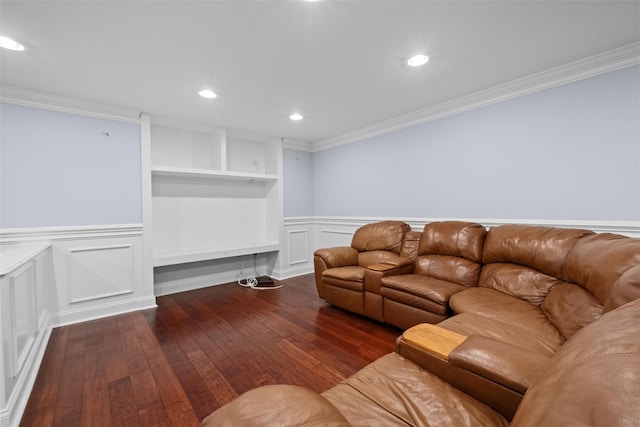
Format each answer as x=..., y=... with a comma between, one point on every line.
x=399, y=261
x=506, y=364
x=433, y=339
x=340, y=256
x=374, y=273
x=281, y=405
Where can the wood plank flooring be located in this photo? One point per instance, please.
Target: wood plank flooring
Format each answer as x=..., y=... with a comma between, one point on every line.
x=173, y=365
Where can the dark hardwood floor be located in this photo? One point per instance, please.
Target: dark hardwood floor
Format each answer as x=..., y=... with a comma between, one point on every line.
x=173, y=365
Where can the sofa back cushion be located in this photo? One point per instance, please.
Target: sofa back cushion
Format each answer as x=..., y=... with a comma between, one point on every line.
x=518, y=281
x=606, y=265
x=541, y=248
x=594, y=379
x=458, y=270
x=570, y=307
x=453, y=238
x=380, y=236
x=451, y=251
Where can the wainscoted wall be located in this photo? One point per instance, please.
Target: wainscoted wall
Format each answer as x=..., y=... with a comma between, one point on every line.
x=97, y=270
x=303, y=235
x=85, y=273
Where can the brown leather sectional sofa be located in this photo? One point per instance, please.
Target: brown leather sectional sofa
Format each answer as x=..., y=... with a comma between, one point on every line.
x=536, y=324
x=593, y=380
x=556, y=280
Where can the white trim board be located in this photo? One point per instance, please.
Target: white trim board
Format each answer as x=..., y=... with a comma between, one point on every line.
x=50, y=234
x=592, y=66
x=65, y=104
x=628, y=228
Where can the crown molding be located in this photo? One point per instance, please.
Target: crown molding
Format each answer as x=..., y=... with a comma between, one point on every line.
x=296, y=145
x=169, y=122
x=592, y=66
x=48, y=101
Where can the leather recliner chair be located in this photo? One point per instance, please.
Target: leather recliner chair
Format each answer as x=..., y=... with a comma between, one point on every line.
x=340, y=271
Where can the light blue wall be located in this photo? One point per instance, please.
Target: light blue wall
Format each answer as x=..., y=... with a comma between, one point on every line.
x=298, y=183
x=571, y=152
x=60, y=169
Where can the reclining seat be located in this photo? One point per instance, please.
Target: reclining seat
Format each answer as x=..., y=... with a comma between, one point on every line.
x=448, y=262
x=340, y=271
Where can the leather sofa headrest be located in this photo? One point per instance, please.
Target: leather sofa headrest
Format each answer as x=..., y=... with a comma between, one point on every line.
x=605, y=265
x=453, y=238
x=380, y=236
x=541, y=248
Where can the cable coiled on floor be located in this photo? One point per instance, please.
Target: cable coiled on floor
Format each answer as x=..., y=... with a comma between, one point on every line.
x=252, y=282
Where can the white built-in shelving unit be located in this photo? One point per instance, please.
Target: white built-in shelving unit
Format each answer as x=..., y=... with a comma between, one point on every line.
x=214, y=195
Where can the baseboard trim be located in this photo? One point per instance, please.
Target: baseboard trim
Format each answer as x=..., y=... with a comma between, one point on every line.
x=99, y=311
x=292, y=272
x=192, y=283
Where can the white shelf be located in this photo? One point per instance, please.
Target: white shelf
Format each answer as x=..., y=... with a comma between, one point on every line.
x=203, y=254
x=171, y=171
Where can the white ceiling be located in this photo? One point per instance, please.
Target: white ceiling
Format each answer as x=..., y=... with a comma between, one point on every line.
x=339, y=63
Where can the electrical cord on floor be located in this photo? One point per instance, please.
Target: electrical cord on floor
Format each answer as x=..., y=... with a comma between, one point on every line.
x=252, y=282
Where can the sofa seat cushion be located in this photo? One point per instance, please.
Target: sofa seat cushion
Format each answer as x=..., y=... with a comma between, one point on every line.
x=420, y=291
x=509, y=310
x=351, y=277
x=392, y=391
x=525, y=332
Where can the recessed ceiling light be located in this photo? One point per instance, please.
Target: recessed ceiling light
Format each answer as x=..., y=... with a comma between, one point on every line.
x=207, y=93
x=296, y=116
x=7, y=43
x=417, y=60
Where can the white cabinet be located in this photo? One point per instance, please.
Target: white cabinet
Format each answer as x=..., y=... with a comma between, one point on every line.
x=214, y=196
x=25, y=273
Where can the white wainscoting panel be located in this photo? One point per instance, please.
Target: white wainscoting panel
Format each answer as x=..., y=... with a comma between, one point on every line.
x=100, y=271
x=331, y=238
x=98, y=277
x=298, y=247
x=296, y=252
x=21, y=290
